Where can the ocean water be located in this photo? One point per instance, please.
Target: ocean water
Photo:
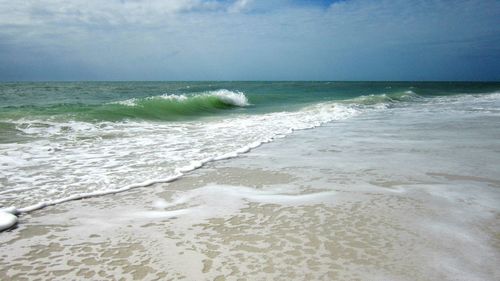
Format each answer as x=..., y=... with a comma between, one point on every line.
x=63, y=141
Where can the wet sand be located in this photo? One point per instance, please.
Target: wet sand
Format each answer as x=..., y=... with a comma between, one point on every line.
x=300, y=208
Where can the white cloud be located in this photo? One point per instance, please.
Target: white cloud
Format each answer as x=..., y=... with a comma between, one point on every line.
x=239, y=6
x=112, y=12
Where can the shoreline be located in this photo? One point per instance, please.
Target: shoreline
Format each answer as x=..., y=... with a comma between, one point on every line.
x=180, y=172
x=301, y=207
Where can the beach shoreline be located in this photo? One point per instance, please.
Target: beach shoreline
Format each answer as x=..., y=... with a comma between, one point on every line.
x=301, y=207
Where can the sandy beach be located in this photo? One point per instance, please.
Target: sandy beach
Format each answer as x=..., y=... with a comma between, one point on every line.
x=300, y=208
x=249, y=140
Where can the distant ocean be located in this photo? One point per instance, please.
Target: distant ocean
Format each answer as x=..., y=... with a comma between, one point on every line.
x=66, y=140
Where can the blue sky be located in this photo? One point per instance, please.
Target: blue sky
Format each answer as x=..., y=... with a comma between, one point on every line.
x=250, y=40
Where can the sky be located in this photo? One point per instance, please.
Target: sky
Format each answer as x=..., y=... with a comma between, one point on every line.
x=250, y=40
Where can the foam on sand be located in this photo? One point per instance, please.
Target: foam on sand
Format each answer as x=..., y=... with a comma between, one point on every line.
x=7, y=218
x=215, y=200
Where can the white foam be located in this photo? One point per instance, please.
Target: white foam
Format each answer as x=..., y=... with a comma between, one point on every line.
x=160, y=204
x=161, y=214
x=44, y=204
x=7, y=220
x=171, y=97
x=75, y=160
x=235, y=98
x=230, y=97
x=219, y=200
x=129, y=102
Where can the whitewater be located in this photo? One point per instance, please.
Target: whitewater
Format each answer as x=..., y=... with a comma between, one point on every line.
x=76, y=159
x=75, y=145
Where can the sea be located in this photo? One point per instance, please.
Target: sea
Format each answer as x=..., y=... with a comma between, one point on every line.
x=62, y=141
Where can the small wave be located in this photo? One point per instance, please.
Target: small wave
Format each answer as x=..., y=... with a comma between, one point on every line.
x=171, y=106
x=225, y=96
x=386, y=99
x=168, y=107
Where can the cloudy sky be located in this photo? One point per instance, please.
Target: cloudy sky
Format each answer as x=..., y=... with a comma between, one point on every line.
x=250, y=40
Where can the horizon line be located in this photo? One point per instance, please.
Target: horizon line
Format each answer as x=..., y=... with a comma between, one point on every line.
x=335, y=81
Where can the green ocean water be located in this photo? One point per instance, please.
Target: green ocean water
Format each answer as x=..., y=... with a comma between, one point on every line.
x=107, y=101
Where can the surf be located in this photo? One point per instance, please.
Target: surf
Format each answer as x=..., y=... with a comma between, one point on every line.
x=166, y=107
x=172, y=106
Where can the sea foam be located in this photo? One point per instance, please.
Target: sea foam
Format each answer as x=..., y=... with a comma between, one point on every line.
x=234, y=98
x=75, y=159
x=218, y=200
x=7, y=218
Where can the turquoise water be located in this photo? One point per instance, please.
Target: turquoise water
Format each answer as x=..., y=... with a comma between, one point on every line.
x=106, y=101
x=66, y=140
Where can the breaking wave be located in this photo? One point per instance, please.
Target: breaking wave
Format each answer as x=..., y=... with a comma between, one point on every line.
x=168, y=107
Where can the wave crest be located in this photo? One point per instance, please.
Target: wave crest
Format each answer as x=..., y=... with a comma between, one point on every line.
x=385, y=98
x=171, y=106
x=228, y=97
